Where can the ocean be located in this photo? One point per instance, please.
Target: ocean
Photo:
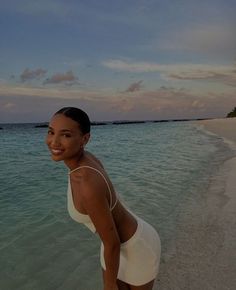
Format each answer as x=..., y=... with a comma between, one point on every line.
x=157, y=169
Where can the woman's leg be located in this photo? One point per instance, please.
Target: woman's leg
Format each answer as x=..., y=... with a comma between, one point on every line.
x=147, y=286
x=122, y=285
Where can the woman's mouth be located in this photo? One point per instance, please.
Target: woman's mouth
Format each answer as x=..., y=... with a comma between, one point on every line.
x=57, y=151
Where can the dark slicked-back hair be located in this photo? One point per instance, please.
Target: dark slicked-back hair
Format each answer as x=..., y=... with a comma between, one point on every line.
x=78, y=116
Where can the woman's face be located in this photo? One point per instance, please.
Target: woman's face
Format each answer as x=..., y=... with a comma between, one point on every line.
x=65, y=139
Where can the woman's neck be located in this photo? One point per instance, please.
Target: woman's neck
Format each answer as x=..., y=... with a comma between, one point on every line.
x=76, y=161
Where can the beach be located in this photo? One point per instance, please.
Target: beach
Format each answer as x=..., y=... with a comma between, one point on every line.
x=182, y=183
x=203, y=254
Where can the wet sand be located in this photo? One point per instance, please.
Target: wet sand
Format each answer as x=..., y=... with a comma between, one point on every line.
x=203, y=255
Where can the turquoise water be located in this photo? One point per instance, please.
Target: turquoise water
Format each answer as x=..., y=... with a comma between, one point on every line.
x=157, y=168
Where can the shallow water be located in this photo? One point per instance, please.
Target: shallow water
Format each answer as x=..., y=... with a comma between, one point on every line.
x=156, y=168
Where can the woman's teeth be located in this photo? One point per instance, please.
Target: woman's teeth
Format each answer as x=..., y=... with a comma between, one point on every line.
x=56, y=151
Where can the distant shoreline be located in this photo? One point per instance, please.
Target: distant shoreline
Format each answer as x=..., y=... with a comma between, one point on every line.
x=119, y=122
x=103, y=123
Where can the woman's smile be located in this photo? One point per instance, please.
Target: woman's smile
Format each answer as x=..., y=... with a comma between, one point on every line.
x=56, y=151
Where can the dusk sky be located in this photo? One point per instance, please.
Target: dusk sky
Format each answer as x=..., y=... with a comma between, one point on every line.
x=117, y=60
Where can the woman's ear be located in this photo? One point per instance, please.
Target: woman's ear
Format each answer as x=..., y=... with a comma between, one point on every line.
x=86, y=138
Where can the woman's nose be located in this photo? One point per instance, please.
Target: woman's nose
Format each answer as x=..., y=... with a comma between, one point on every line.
x=55, y=141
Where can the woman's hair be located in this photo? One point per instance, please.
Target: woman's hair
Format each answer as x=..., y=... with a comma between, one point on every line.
x=78, y=116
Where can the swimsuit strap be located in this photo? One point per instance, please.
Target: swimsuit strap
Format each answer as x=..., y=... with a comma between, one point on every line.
x=86, y=166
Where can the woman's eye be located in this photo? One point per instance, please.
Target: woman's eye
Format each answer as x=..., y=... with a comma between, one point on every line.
x=66, y=135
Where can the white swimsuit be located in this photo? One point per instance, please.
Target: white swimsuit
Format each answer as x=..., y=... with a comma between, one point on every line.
x=139, y=256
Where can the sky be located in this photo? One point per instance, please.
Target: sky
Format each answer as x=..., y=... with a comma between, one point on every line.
x=117, y=60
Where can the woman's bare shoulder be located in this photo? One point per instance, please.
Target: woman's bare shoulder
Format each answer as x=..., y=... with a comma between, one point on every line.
x=93, y=158
x=86, y=172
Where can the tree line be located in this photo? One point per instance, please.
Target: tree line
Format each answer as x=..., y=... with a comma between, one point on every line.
x=232, y=113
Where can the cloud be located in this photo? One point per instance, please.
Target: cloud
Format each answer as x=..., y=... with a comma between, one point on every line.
x=171, y=103
x=67, y=78
x=129, y=66
x=142, y=66
x=28, y=74
x=225, y=74
x=20, y=103
x=134, y=87
x=227, y=77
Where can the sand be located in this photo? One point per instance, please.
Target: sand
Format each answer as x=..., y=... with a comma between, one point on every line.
x=223, y=127
x=203, y=255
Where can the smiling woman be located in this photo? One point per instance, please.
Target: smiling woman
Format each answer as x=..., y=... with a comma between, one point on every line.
x=66, y=137
x=130, y=248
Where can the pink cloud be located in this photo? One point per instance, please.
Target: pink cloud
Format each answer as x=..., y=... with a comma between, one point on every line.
x=62, y=78
x=134, y=87
x=28, y=74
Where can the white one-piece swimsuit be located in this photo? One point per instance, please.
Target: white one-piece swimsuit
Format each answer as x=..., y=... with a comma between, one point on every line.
x=139, y=256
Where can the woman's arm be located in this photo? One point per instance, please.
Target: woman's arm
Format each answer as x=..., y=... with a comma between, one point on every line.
x=92, y=190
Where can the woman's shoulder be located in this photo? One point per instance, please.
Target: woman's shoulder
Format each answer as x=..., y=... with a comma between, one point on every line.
x=94, y=159
x=89, y=170
x=87, y=181
x=86, y=172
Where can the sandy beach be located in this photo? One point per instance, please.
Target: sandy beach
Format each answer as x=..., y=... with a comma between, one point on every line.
x=225, y=128
x=203, y=255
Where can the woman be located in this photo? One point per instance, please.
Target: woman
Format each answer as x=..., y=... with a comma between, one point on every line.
x=130, y=249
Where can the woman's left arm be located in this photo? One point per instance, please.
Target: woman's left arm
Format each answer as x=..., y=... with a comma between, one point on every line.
x=96, y=204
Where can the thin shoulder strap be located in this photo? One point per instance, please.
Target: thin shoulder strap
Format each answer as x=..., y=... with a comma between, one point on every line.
x=86, y=166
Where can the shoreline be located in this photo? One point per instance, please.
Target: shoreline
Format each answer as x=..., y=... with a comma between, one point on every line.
x=99, y=123
x=224, y=128
x=203, y=254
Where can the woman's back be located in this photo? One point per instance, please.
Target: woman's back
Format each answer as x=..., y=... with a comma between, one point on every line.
x=125, y=221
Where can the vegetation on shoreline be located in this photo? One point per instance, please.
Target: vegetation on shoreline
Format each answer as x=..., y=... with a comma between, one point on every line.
x=232, y=114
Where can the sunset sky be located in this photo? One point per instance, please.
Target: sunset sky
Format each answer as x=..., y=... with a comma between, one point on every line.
x=117, y=60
